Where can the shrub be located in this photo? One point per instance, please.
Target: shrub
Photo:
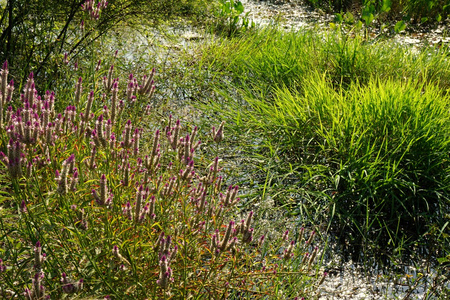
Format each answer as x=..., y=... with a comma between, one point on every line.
x=36, y=34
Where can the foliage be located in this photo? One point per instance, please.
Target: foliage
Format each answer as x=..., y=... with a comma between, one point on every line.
x=36, y=34
x=402, y=11
x=273, y=58
x=231, y=18
x=426, y=10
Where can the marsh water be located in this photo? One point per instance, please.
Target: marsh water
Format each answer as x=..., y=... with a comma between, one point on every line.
x=295, y=15
x=348, y=279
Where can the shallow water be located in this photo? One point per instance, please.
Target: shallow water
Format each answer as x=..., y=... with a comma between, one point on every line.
x=347, y=280
x=294, y=15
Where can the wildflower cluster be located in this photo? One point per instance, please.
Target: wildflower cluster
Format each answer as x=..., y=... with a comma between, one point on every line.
x=37, y=291
x=68, y=166
x=142, y=192
x=29, y=126
x=93, y=9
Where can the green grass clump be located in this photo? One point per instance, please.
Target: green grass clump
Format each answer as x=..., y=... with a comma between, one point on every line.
x=355, y=132
x=121, y=209
x=270, y=57
x=385, y=146
x=380, y=151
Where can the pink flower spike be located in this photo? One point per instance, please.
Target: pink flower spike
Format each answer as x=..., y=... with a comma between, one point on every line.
x=98, y=65
x=70, y=159
x=23, y=206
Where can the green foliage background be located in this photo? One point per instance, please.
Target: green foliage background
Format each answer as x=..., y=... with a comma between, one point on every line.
x=34, y=35
x=418, y=10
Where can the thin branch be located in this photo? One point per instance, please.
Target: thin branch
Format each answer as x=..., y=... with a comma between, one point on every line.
x=76, y=6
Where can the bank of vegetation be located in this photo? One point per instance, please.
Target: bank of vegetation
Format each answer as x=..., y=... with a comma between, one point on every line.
x=282, y=143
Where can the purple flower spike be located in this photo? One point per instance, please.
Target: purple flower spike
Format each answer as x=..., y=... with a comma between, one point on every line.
x=98, y=65
x=23, y=206
x=70, y=159
x=2, y=266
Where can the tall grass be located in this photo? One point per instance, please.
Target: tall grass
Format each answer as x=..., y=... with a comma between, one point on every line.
x=270, y=58
x=385, y=146
x=359, y=130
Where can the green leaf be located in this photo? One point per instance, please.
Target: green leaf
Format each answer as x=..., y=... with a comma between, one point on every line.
x=368, y=18
x=358, y=25
x=386, y=7
x=399, y=26
x=239, y=7
x=438, y=18
x=338, y=18
x=367, y=13
x=349, y=18
x=442, y=260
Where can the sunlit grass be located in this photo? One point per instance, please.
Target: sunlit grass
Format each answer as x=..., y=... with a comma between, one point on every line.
x=349, y=135
x=357, y=133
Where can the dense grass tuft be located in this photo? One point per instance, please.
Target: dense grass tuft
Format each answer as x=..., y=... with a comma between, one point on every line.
x=270, y=58
x=359, y=130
